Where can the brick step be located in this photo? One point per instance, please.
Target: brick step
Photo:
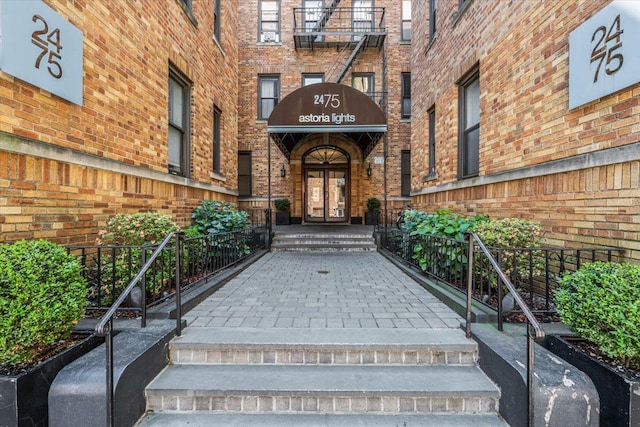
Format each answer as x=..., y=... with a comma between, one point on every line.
x=320, y=420
x=323, y=346
x=324, y=242
x=322, y=389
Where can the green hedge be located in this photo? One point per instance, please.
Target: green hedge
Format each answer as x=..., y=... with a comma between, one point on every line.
x=601, y=301
x=42, y=297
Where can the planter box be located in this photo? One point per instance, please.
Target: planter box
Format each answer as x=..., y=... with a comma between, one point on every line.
x=371, y=218
x=619, y=397
x=24, y=397
x=283, y=218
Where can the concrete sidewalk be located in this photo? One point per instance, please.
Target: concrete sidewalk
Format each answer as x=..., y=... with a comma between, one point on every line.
x=322, y=290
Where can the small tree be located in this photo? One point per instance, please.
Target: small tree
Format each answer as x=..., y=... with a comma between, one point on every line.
x=373, y=203
x=282, y=205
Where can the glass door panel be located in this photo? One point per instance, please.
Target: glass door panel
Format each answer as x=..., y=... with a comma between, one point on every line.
x=315, y=196
x=337, y=186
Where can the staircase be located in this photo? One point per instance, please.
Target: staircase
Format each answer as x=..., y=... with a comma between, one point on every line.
x=322, y=377
x=319, y=240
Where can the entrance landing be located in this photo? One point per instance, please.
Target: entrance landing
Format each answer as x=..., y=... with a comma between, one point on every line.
x=323, y=290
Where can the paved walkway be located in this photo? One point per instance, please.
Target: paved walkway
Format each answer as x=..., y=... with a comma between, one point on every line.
x=322, y=290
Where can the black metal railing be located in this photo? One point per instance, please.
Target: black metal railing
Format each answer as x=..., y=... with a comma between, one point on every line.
x=105, y=324
x=134, y=278
x=340, y=20
x=108, y=269
x=534, y=330
x=535, y=272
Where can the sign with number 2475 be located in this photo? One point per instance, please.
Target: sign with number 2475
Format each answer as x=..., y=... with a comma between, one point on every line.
x=604, y=53
x=39, y=46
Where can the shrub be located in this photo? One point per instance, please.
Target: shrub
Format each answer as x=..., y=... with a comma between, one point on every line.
x=42, y=296
x=282, y=205
x=118, y=268
x=219, y=217
x=510, y=236
x=146, y=228
x=373, y=203
x=601, y=301
x=445, y=257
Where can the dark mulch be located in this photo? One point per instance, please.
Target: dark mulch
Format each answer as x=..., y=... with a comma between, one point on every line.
x=43, y=355
x=632, y=373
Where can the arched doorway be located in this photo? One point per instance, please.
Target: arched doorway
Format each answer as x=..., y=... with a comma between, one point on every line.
x=326, y=185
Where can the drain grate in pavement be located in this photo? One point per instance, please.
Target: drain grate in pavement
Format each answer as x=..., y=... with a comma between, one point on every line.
x=323, y=272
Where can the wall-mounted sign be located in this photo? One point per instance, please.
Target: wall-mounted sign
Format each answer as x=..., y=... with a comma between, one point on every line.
x=39, y=46
x=604, y=53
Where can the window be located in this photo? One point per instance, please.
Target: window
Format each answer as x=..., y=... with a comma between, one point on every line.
x=433, y=4
x=406, y=95
x=244, y=173
x=310, y=79
x=406, y=21
x=432, y=141
x=364, y=82
x=268, y=94
x=269, y=21
x=216, y=19
x=217, y=114
x=313, y=10
x=362, y=16
x=405, y=173
x=469, y=133
x=179, y=112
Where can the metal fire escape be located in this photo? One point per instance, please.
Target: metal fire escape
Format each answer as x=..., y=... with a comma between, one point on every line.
x=349, y=30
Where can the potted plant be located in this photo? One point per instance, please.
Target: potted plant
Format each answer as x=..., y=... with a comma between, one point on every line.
x=283, y=214
x=373, y=211
x=42, y=297
x=600, y=301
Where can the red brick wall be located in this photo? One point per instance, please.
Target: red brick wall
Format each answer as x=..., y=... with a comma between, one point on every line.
x=523, y=56
x=128, y=47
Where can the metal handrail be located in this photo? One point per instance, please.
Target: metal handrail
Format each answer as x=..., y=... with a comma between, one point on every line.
x=534, y=330
x=105, y=325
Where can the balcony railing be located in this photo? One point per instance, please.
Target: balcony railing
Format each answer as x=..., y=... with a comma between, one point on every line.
x=336, y=27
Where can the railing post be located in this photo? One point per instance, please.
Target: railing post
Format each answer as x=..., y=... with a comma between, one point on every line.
x=143, y=290
x=267, y=214
x=469, y=282
x=530, y=375
x=110, y=389
x=178, y=236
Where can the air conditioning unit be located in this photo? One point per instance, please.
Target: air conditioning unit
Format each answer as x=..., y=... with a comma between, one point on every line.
x=269, y=36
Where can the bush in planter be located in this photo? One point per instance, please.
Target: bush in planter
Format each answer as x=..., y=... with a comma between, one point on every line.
x=373, y=204
x=601, y=301
x=282, y=205
x=510, y=235
x=448, y=257
x=213, y=217
x=42, y=297
x=134, y=231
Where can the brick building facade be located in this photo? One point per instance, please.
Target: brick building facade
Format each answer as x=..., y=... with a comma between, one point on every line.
x=286, y=56
x=496, y=74
x=66, y=168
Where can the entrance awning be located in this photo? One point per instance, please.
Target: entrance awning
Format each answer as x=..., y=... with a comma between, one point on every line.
x=327, y=108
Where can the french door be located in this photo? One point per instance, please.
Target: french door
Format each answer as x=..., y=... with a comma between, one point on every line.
x=326, y=195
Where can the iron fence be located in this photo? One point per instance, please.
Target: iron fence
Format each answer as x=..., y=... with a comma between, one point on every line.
x=108, y=269
x=535, y=272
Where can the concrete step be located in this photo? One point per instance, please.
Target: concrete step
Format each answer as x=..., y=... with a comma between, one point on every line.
x=324, y=247
x=320, y=420
x=322, y=389
x=323, y=346
x=324, y=242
